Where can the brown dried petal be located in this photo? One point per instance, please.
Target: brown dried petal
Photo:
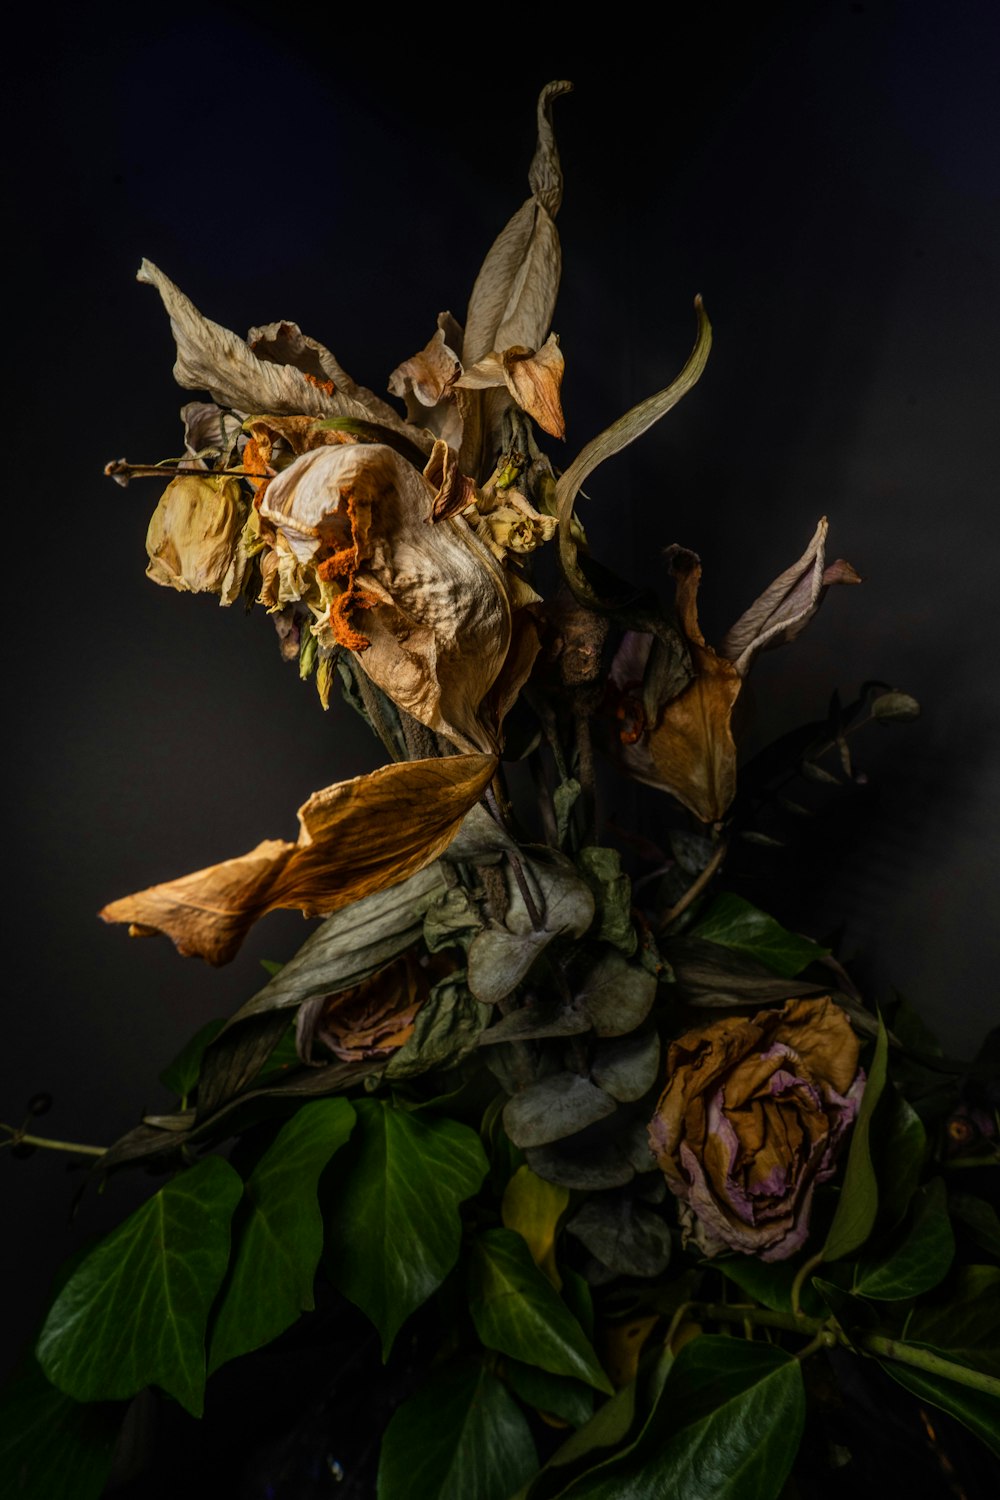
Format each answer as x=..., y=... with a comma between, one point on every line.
x=194, y=534
x=372, y=1019
x=355, y=837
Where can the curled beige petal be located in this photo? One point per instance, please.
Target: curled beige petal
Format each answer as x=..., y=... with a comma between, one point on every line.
x=194, y=535
x=534, y=379
x=430, y=373
x=787, y=605
x=284, y=343
x=355, y=837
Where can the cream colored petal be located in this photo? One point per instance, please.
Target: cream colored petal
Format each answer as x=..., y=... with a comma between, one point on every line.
x=514, y=295
x=284, y=343
x=787, y=605
x=193, y=540
x=355, y=837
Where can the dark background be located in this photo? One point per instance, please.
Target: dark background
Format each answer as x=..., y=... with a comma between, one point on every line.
x=824, y=174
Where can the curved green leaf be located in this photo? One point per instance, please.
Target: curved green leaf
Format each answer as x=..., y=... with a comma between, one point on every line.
x=967, y=1326
x=279, y=1243
x=181, y=1075
x=727, y=1427
x=733, y=922
x=52, y=1447
x=975, y=1410
x=855, y=1215
x=899, y=1150
x=921, y=1257
x=397, y=1231
x=461, y=1437
x=517, y=1311
x=554, y=1394
x=134, y=1313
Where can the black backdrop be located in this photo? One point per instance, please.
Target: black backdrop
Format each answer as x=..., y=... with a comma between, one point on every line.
x=824, y=174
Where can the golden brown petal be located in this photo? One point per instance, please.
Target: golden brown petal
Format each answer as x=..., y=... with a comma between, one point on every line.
x=194, y=533
x=355, y=837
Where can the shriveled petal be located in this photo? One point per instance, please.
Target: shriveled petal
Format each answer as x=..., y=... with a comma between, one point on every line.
x=515, y=292
x=787, y=605
x=208, y=429
x=284, y=343
x=454, y=491
x=429, y=374
x=534, y=379
x=355, y=837
x=372, y=1019
x=437, y=606
x=194, y=535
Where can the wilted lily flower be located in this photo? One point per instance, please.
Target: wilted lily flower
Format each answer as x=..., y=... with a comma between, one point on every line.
x=688, y=748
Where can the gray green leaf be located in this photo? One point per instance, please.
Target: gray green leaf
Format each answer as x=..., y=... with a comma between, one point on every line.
x=617, y=995
x=602, y=869
x=555, y=1108
x=447, y=1027
x=624, y=1235
x=626, y=1067
x=134, y=1313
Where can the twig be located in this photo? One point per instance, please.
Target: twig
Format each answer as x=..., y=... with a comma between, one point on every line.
x=22, y=1138
x=695, y=889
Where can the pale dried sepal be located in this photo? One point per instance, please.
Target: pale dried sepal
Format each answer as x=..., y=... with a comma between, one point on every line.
x=355, y=837
x=514, y=294
x=438, y=605
x=787, y=605
x=533, y=378
x=616, y=437
x=209, y=430
x=193, y=540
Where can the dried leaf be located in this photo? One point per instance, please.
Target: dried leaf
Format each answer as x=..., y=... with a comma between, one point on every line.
x=625, y=1236
x=356, y=837
x=500, y=956
x=555, y=1108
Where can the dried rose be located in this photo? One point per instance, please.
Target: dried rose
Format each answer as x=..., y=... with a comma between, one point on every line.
x=372, y=1019
x=689, y=749
x=752, y=1118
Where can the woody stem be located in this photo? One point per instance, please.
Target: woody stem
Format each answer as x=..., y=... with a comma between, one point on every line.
x=695, y=889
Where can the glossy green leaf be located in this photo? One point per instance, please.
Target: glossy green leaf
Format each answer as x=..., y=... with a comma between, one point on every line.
x=461, y=1437
x=52, y=1447
x=899, y=1149
x=518, y=1312
x=727, y=1427
x=134, y=1313
x=571, y=1400
x=770, y=1283
x=974, y=1409
x=981, y=1220
x=857, y=1207
x=396, y=1230
x=966, y=1326
x=921, y=1255
x=733, y=922
x=602, y=870
x=279, y=1241
x=181, y=1075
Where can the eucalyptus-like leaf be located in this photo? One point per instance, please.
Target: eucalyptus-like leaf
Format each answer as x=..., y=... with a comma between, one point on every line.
x=623, y=1235
x=627, y=1067
x=396, y=1232
x=500, y=956
x=857, y=1206
x=540, y=1018
x=564, y=799
x=974, y=1409
x=602, y=869
x=518, y=1312
x=134, y=1312
x=353, y=943
x=52, y=1447
x=534, y=1208
x=355, y=837
x=617, y=995
x=554, y=1108
x=461, y=1436
x=921, y=1255
x=279, y=1238
x=733, y=922
x=587, y=1165
x=611, y=441
x=727, y=1427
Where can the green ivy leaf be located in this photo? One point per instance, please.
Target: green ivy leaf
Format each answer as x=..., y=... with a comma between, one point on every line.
x=974, y=1409
x=397, y=1231
x=734, y=923
x=727, y=1427
x=279, y=1243
x=966, y=1327
x=181, y=1075
x=921, y=1256
x=52, y=1447
x=517, y=1311
x=571, y=1400
x=854, y=1218
x=461, y=1436
x=134, y=1313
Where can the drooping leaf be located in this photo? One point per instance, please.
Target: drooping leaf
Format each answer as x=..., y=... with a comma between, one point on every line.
x=518, y=1312
x=458, y=1437
x=711, y=976
x=181, y=1075
x=980, y=1218
x=446, y=1028
x=556, y=1107
x=52, y=1447
x=236, y=1057
x=965, y=1327
x=921, y=1255
x=554, y=1395
x=500, y=956
x=396, y=1232
x=451, y=920
x=974, y=1409
x=899, y=1148
x=533, y=1208
x=355, y=837
x=617, y=995
x=727, y=1427
x=857, y=1207
x=134, y=1313
x=280, y=1239
x=627, y=1067
x=894, y=707
x=733, y=922
x=538, y=1018
x=612, y=890
x=623, y=1235
x=564, y=799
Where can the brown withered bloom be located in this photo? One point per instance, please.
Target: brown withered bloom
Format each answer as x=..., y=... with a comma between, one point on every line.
x=372, y=1019
x=689, y=748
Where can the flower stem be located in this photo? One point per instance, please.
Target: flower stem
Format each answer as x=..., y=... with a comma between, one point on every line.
x=801, y=1277
x=22, y=1138
x=926, y=1359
